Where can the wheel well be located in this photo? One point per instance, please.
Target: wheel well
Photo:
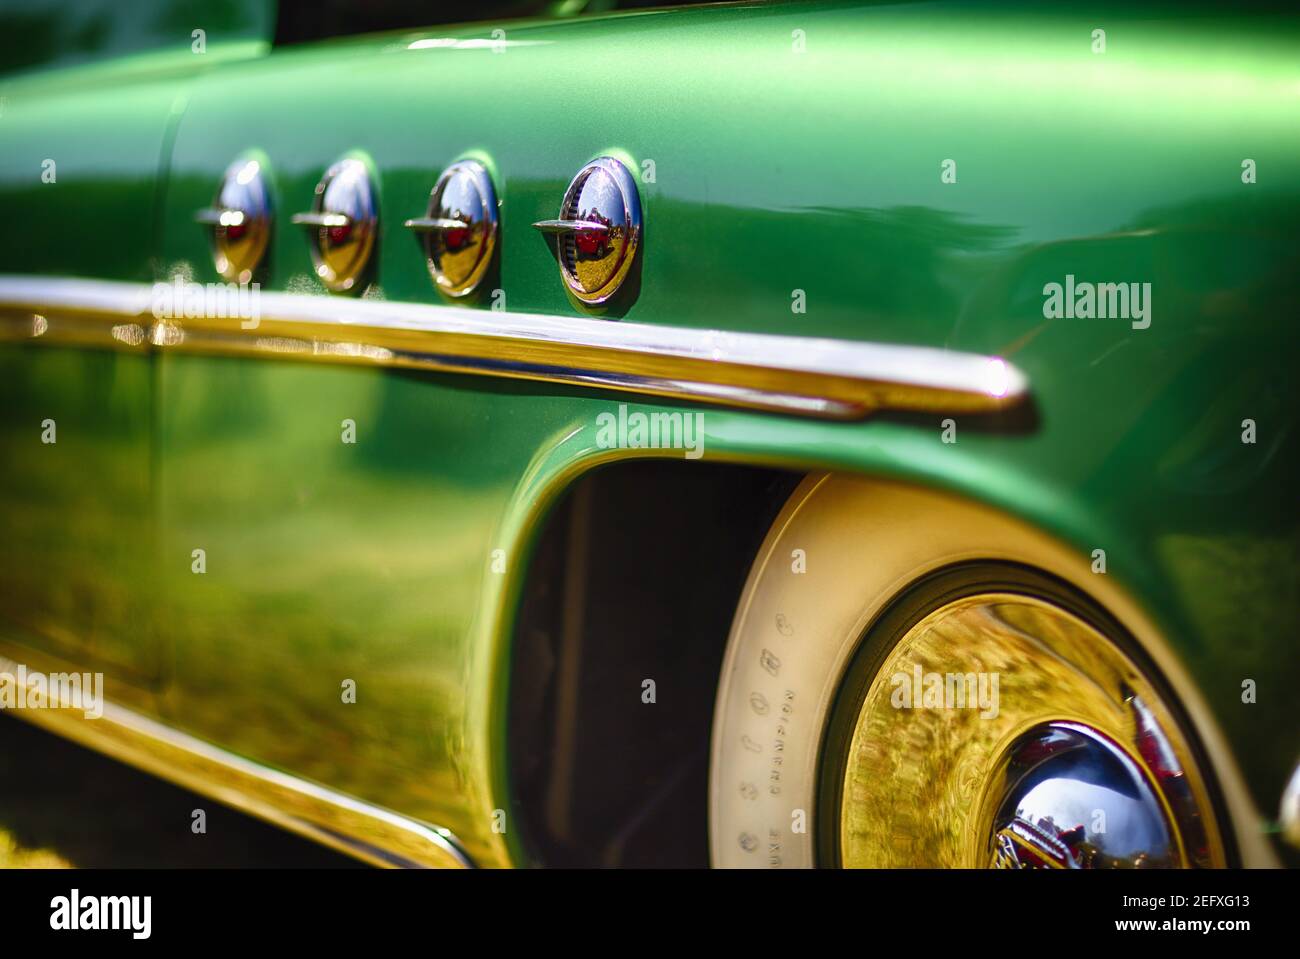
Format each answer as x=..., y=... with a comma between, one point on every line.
x=635, y=577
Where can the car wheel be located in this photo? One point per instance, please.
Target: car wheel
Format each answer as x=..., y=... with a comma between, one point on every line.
x=906, y=685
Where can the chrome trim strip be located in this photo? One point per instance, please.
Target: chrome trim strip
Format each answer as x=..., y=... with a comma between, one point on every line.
x=367, y=832
x=826, y=378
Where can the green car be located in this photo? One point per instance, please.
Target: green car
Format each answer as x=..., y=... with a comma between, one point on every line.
x=739, y=434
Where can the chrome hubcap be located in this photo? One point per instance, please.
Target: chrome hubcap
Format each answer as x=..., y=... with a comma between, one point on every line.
x=1072, y=799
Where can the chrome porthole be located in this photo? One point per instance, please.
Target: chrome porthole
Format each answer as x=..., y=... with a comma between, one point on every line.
x=342, y=226
x=598, y=231
x=459, y=229
x=239, y=219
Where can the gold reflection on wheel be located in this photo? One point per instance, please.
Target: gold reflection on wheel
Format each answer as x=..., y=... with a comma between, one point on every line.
x=1002, y=730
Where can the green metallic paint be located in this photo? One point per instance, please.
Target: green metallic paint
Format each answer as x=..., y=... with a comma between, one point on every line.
x=774, y=171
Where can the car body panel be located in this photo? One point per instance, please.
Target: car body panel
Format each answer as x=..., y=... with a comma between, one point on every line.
x=774, y=171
